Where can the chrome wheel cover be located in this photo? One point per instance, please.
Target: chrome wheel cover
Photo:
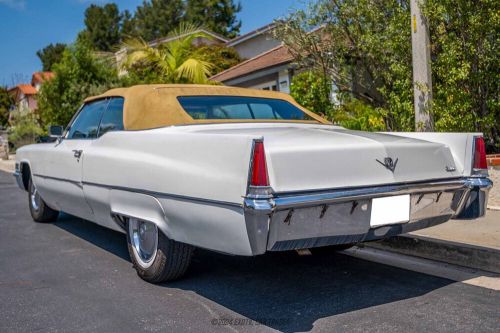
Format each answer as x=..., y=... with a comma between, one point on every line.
x=144, y=239
x=35, y=198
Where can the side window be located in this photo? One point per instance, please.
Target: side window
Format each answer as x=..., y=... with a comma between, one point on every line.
x=112, y=120
x=86, y=124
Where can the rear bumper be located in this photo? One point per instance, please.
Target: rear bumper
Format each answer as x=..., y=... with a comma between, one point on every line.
x=289, y=221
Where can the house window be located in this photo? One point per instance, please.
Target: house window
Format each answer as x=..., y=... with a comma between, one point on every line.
x=273, y=88
x=270, y=85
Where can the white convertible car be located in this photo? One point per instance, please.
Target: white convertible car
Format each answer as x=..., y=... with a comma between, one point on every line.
x=243, y=172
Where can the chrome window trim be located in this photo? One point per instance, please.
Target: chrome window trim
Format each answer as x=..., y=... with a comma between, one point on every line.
x=75, y=117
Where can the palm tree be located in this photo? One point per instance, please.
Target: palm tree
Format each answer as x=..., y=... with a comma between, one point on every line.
x=174, y=61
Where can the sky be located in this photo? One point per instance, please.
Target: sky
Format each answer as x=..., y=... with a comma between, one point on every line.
x=29, y=25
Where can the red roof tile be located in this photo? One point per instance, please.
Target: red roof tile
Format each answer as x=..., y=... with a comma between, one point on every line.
x=26, y=89
x=39, y=77
x=276, y=56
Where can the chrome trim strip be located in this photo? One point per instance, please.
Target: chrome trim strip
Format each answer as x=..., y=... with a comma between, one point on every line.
x=147, y=192
x=168, y=195
x=79, y=184
x=19, y=180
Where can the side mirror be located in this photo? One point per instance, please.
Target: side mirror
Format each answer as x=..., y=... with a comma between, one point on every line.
x=56, y=131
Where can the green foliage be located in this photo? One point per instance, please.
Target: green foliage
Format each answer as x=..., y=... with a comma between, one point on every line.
x=6, y=101
x=106, y=28
x=216, y=15
x=79, y=74
x=157, y=18
x=313, y=90
x=170, y=62
x=24, y=127
x=466, y=63
x=153, y=19
x=221, y=57
x=365, y=47
x=358, y=115
x=127, y=25
x=102, y=26
x=50, y=55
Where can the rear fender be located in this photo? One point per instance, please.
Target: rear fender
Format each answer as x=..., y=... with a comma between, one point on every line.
x=141, y=206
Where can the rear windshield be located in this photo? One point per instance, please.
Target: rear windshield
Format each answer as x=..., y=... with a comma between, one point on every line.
x=237, y=107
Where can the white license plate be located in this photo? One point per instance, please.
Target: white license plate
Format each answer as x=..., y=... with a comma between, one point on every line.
x=390, y=210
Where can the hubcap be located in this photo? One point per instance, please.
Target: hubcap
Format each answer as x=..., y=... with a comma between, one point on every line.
x=144, y=239
x=35, y=198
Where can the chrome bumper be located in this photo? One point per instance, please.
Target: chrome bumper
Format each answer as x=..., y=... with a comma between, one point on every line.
x=289, y=221
x=19, y=178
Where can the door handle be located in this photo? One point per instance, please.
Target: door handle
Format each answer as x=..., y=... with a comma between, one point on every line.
x=77, y=153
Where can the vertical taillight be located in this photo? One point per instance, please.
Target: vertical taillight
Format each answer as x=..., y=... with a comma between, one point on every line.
x=479, y=153
x=259, y=167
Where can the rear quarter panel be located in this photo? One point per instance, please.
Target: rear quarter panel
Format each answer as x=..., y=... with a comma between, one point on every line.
x=212, y=167
x=198, y=181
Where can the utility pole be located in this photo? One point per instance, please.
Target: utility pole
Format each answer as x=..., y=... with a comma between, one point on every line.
x=422, y=80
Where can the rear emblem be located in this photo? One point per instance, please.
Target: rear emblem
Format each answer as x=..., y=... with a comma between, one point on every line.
x=389, y=163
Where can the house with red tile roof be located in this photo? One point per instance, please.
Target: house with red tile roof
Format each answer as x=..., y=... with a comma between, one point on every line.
x=25, y=94
x=268, y=64
x=273, y=67
x=270, y=70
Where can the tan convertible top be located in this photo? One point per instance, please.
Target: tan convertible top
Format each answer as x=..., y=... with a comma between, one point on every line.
x=156, y=105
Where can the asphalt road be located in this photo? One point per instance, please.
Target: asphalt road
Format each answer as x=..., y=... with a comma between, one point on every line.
x=74, y=276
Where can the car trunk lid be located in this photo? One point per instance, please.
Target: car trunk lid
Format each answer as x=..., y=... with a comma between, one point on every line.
x=317, y=157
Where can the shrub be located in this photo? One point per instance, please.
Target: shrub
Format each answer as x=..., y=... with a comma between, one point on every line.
x=313, y=91
x=24, y=128
x=79, y=74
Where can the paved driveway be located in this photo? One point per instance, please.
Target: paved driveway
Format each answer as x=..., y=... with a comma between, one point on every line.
x=74, y=276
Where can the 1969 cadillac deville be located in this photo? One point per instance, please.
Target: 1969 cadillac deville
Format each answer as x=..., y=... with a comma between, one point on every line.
x=243, y=172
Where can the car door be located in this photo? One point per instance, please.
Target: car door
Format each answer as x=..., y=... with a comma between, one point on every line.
x=64, y=170
x=98, y=196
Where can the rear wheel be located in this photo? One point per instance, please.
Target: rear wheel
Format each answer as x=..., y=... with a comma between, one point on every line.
x=156, y=258
x=39, y=210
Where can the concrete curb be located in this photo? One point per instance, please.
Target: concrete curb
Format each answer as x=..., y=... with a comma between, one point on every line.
x=487, y=259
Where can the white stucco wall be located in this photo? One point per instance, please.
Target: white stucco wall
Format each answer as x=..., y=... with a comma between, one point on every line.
x=256, y=45
x=284, y=81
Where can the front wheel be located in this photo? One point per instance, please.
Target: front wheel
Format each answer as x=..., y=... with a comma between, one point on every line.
x=39, y=210
x=156, y=258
